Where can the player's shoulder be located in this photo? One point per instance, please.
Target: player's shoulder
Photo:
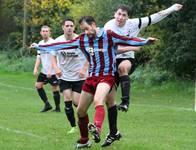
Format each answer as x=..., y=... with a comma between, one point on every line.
x=75, y=35
x=109, y=24
x=51, y=40
x=60, y=38
x=41, y=42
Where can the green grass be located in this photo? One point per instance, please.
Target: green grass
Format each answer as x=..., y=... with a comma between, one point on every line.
x=160, y=118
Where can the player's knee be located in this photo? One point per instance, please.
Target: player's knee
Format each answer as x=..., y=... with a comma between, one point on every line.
x=38, y=86
x=122, y=70
x=97, y=101
x=68, y=106
x=55, y=88
x=80, y=112
x=110, y=103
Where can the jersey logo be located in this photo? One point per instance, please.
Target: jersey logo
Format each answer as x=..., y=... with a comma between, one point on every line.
x=91, y=51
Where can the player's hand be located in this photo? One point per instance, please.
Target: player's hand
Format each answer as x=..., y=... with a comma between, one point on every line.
x=33, y=45
x=35, y=71
x=152, y=40
x=177, y=7
x=49, y=75
x=82, y=73
x=58, y=72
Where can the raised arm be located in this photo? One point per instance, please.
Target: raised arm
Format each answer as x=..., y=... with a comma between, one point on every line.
x=156, y=17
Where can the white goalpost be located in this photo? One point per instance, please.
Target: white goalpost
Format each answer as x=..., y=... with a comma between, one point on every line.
x=195, y=96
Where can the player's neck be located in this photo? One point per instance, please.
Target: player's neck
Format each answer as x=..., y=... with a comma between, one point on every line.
x=46, y=39
x=69, y=36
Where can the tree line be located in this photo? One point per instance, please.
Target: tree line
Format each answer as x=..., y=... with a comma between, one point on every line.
x=175, y=51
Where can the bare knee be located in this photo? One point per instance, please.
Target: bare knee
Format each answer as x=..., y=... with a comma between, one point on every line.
x=81, y=112
x=122, y=70
x=98, y=101
x=38, y=85
x=55, y=88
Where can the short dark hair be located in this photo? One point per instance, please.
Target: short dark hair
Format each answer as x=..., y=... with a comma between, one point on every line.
x=124, y=8
x=67, y=19
x=88, y=19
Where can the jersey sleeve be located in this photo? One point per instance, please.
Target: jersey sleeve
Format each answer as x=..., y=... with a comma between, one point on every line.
x=153, y=18
x=72, y=44
x=126, y=41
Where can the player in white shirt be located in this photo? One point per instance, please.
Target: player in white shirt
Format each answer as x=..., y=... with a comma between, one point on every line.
x=47, y=74
x=71, y=68
x=121, y=24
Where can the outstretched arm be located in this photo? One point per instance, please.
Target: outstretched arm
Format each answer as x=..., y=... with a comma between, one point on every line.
x=128, y=48
x=154, y=18
x=72, y=44
x=126, y=41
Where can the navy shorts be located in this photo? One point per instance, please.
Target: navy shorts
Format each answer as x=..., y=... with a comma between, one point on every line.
x=43, y=78
x=75, y=86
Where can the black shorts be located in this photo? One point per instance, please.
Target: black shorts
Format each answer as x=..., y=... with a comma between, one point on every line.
x=118, y=61
x=75, y=86
x=43, y=78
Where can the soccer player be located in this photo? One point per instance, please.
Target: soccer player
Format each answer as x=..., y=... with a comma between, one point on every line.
x=71, y=70
x=122, y=25
x=99, y=46
x=47, y=74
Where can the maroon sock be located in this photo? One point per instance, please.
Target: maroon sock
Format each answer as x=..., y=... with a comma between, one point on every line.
x=83, y=126
x=99, y=116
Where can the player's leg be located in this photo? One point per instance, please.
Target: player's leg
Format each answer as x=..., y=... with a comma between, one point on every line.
x=83, y=120
x=39, y=86
x=124, y=68
x=69, y=111
x=114, y=134
x=100, y=95
x=102, y=91
x=56, y=94
x=66, y=89
x=76, y=90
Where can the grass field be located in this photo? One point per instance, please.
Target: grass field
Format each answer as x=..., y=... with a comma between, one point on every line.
x=160, y=118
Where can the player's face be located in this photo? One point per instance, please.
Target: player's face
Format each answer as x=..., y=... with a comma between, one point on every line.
x=45, y=33
x=121, y=17
x=90, y=30
x=68, y=27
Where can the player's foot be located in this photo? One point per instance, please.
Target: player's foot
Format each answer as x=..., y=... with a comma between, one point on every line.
x=81, y=144
x=95, y=132
x=123, y=106
x=110, y=139
x=56, y=110
x=72, y=130
x=46, y=108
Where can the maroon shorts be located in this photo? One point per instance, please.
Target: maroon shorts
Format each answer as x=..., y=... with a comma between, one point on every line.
x=91, y=83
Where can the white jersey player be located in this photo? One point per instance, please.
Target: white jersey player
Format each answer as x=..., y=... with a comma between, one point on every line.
x=121, y=24
x=71, y=68
x=47, y=74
